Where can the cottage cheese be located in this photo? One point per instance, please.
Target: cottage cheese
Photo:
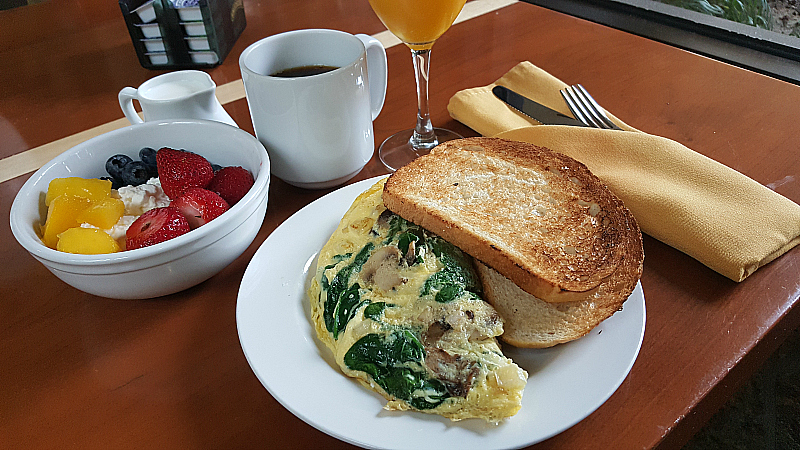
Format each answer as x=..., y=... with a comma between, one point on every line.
x=117, y=232
x=138, y=200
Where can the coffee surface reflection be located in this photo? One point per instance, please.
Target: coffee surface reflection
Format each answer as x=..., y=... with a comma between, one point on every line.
x=303, y=71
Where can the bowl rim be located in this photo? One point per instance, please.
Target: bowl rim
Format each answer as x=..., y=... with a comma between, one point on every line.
x=163, y=252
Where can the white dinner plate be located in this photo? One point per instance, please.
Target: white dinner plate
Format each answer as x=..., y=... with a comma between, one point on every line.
x=566, y=383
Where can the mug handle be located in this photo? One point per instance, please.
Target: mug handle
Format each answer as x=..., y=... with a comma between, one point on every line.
x=126, y=97
x=377, y=72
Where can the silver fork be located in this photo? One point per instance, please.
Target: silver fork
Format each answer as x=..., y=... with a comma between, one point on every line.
x=586, y=109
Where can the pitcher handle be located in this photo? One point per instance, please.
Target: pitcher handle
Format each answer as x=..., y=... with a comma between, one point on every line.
x=377, y=72
x=126, y=97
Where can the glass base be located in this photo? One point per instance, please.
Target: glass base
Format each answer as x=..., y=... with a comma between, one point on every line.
x=396, y=151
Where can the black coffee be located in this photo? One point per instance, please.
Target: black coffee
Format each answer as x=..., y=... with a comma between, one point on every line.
x=304, y=71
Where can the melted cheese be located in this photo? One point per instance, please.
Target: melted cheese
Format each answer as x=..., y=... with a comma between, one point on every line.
x=401, y=311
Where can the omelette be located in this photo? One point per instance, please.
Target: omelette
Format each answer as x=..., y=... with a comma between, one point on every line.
x=401, y=310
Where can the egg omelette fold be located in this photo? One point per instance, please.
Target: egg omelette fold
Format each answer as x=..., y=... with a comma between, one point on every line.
x=401, y=310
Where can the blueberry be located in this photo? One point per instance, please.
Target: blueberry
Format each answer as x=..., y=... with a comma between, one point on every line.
x=135, y=173
x=148, y=157
x=115, y=164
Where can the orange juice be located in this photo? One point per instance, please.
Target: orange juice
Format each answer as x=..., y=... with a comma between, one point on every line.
x=418, y=23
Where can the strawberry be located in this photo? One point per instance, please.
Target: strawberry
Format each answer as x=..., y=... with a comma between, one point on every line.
x=180, y=170
x=231, y=183
x=200, y=206
x=154, y=226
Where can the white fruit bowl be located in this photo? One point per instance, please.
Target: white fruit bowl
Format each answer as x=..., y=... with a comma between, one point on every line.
x=170, y=266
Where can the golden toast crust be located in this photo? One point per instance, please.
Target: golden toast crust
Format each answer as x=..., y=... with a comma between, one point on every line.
x=536, y=216
x=533, y=323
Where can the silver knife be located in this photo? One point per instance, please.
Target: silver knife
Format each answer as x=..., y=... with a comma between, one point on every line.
x=535, y=111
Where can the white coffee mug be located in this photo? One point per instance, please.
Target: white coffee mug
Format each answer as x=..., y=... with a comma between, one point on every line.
x=317, y=129
x=184, y=94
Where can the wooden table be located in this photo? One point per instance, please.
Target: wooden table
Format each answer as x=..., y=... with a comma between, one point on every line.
x=84, y=372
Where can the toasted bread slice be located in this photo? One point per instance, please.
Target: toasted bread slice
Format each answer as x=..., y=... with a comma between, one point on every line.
x=533, y=323
x=538, y=217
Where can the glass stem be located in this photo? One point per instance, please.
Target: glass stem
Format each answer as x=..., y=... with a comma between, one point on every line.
x=423, y=138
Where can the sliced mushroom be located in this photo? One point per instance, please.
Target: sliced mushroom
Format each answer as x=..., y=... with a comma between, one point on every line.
x=435, y=332
x=383, y=219
x=487, y=328
x=383, y=268
x=455, y=372
x=411, y=254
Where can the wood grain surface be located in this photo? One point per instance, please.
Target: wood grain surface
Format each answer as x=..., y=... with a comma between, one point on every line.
x=79, y=371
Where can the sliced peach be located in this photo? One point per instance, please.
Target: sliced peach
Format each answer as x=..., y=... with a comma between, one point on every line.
x=103, y=213
x=86, y=241
x=61, y=216
x=90, y=188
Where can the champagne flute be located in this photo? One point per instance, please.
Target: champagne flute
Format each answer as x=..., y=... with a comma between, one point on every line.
x=418, y=23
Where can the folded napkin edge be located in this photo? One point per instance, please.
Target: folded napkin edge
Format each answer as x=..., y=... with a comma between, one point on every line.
x=479, y=109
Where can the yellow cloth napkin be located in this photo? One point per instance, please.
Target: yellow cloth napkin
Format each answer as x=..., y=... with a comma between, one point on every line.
x=705, y=209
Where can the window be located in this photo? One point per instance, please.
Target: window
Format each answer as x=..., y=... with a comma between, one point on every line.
x=772, y=52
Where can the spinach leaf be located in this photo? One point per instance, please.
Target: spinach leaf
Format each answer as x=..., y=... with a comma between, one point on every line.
x=457, y=262
x=413, y=234
x=396, y=363
x=457, y=275
x=374, y=310
x=336, y=316
x=449, y=293
x=396, y=224
x=349, y=302
x=342, y=257
x=324, y=280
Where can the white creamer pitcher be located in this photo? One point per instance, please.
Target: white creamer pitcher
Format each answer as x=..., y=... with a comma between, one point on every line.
x=184, y=94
